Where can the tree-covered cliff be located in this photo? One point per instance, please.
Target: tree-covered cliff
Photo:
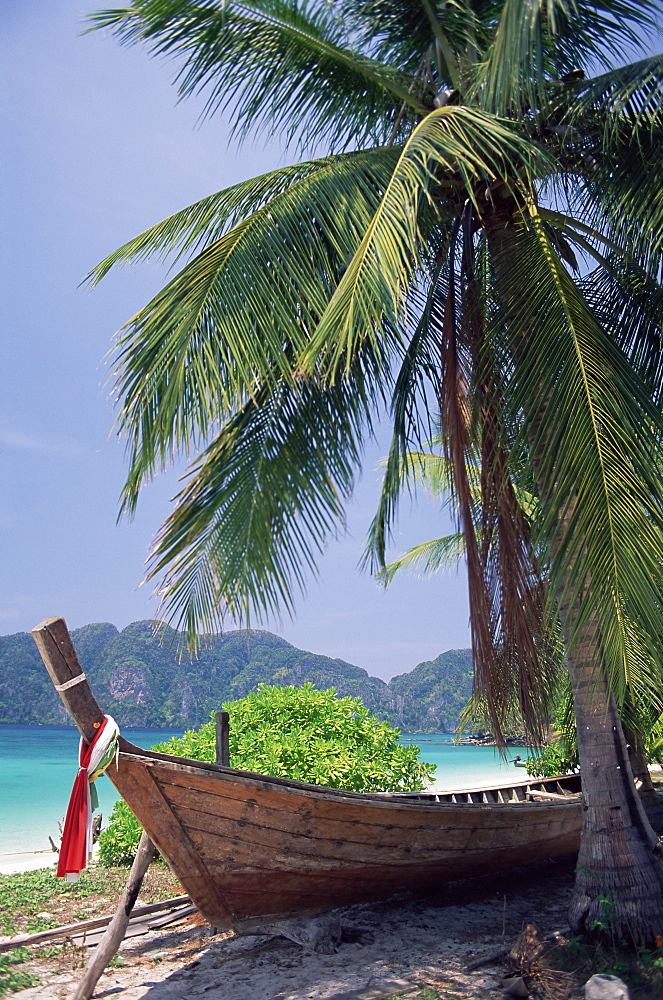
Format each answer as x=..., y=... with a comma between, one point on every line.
x=140, y=680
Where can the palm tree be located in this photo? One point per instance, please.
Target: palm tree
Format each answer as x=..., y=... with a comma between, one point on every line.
x=640, y=720
x=480, y=243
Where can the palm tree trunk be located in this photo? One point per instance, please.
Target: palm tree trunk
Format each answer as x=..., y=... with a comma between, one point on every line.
x=647, y=792
x=618, y=892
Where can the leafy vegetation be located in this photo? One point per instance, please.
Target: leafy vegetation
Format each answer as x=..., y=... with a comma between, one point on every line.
x=141, y=680
x=119, y=840
x=291, y=732
x=484, y=249
x=314, y=736
x=654, y=743
x=26, y=894
x=561, y=754
x=11, y=978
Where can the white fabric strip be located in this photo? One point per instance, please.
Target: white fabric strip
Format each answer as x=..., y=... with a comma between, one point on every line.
x=70, y=683
x=110, y=732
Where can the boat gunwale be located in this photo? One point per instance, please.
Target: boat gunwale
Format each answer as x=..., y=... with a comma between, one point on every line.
x=429, y=799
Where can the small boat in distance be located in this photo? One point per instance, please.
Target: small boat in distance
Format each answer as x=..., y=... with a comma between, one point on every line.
x=250, y=848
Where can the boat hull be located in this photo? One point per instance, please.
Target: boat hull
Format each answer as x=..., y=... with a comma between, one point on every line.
x=249, y=848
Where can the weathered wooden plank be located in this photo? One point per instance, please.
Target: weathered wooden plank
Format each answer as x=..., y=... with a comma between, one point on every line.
x=84, y=925
x=264, y=783
x=268, y=796
x=143, y=795
x=436, y=843
x=355, y=825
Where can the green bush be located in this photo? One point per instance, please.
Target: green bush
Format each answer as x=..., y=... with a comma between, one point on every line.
x=654, y=743
x=555, y=758
x=311, y=735
x=561, y=755
x=118, y=842
x=12, y=980
x=292, y=732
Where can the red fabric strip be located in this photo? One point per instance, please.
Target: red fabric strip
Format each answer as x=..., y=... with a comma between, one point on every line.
x=73, y=850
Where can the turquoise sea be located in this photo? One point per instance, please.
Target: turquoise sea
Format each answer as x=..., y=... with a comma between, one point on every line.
x=38, y=766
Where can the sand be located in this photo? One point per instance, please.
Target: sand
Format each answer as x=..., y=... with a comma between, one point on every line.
x=390, y=948
x=27, y=861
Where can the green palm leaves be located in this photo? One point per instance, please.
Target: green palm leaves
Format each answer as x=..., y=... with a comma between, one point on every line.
x=259, y=506
x=272, y=61
x=453, y=150
x=601, y=505
x=237, y=315
x=439, y=269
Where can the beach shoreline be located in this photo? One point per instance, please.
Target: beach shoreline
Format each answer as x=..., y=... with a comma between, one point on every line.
x=15, y=862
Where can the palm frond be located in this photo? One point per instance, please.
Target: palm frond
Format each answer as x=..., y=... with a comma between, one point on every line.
x=276, y=64
x=196, y=226
x=627, y=96
x=630, y=303
x=593, y=436
x=454, y=146
x=513, y=74
x=259, y=506
x=536, y=45
x=227, y=321
x=588, y=34
x=426, y=559
x=623, y=193
x=410, y=407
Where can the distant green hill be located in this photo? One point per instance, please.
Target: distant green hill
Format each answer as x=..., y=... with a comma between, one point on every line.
x=139, y=679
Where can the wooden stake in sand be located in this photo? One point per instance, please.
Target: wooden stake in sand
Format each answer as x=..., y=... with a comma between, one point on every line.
x=116, y=930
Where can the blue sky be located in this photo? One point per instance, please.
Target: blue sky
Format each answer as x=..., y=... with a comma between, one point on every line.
x=95, y=150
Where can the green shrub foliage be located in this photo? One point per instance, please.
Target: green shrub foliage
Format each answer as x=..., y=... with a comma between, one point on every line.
x=311, y=735
x=561, y=755
x=292, y=732
x=118, y=842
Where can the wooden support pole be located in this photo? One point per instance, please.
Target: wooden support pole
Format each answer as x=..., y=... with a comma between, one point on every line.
x=116, y=930
x=222, y=720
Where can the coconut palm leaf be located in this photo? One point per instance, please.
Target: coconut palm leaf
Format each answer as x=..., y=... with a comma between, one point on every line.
x=193, y=228
x=630, y=93
x=271, y=62
x=457, y=147
x=260, y=503
x=218, y=328
x=534, y=42
x=426, y=559
x=629, y=302
x=593, y=435
x=417, y=376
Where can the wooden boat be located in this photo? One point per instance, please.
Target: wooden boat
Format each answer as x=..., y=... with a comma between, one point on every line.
x=250, y=848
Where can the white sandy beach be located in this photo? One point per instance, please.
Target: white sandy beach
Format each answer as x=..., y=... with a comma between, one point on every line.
x=390, y=948
x=11, y=864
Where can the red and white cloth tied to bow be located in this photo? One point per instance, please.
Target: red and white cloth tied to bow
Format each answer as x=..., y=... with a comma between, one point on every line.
x=93, y=759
